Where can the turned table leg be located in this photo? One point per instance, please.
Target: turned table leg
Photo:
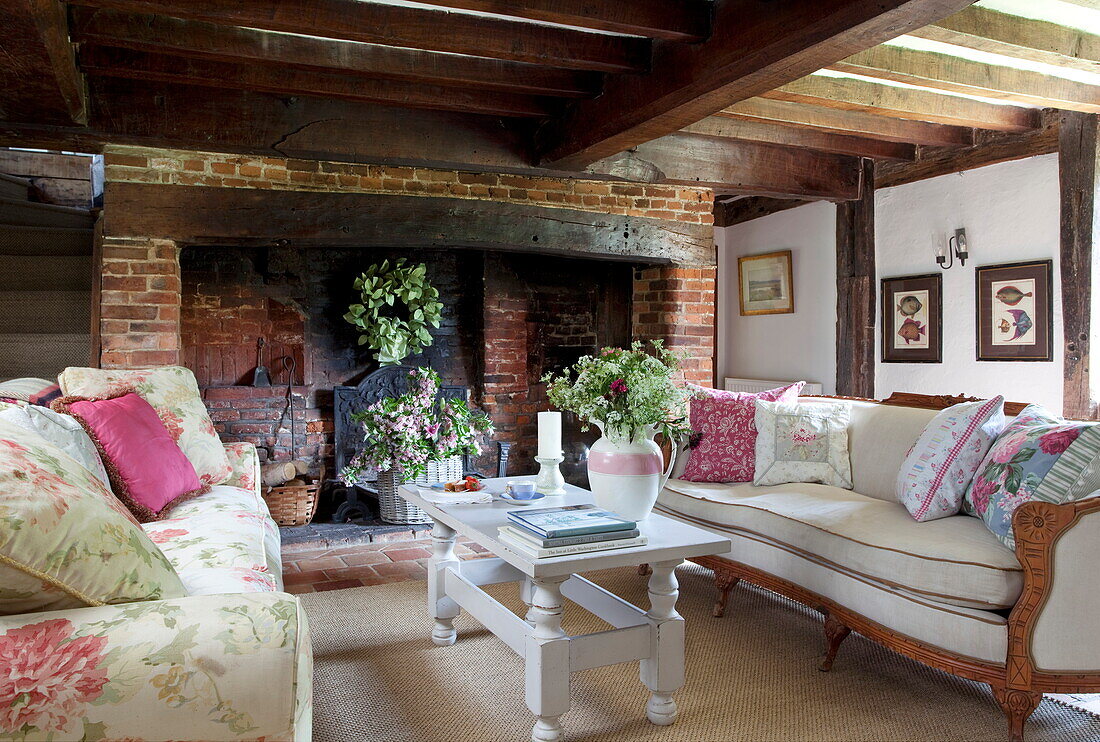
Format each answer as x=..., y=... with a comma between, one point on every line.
x=547, y=667
x=663, y=672
x=443, y=609
x=527, y=595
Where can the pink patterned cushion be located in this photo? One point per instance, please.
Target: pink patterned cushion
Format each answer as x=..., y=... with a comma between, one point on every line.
x=148, y=471
x=724, y=424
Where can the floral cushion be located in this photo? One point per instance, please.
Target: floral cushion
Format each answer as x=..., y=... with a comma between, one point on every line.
x=802, y=443
x=1039, y=456
x=65, y=540
x=61, y=431
x=724, y=433
x=937, y=471
x=174, y=394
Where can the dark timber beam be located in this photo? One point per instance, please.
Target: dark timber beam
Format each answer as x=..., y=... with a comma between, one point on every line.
x=728, y=213
x=756, y=46
x=39, y=79
x=161, y=34
x=855, y=291
x=1079, y=184
x=411, y=28
x=823, y=141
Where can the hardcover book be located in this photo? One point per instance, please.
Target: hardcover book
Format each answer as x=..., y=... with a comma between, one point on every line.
x=518, y=531
x=528, y=549
x=570, y=520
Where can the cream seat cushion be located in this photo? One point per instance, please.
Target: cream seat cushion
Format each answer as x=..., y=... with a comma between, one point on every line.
x=953, y=560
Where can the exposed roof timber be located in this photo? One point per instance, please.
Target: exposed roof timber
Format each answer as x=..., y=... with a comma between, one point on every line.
x=946, y=72
x=854, y=123
x=1012, y=36
x=39, y=79
x=1090, y=4
x=675, y=20
x=752, y=50
x=411, y=27
x=823, y=141
x=746, y=209
x=235, y=44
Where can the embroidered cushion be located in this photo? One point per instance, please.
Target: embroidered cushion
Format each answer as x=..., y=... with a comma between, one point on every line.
x=65, y=541
x=174, y=394
x=1039, y=456
x=799, y=442
x=61, y=431
x=723, y=428
x=937, y=471
x=148, y=471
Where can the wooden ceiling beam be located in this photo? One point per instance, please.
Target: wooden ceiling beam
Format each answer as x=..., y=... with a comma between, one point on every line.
x=162, y=34
x=39, y=78
x=1090, y=4
x=854, y=123
x=756, y=46
x=823, y=141
x=958, y=75
x=850, y=94
x=987, y=30
x=738, y=211
x=132, y=65
x=411, y=28
x=679, y=20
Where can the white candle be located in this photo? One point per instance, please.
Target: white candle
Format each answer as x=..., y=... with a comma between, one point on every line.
x=549, y=435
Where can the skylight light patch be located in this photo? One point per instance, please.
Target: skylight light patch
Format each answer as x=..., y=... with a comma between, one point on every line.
x=1052, y=11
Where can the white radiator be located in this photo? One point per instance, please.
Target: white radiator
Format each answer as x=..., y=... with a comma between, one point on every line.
x=763, y=385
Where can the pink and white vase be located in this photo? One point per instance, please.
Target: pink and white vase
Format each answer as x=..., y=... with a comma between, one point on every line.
x=626, y=476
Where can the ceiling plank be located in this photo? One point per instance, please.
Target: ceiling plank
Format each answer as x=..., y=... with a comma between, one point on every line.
x=752, y=50
x=1090, y=4
x=730, y=166
x=412, y=28
x=39, y=78
x=987, y=30
x=946, y=72
x=680, y=20
x=728, y=213
x=850, y=94
x=823, y=141
x=132, y=65
x=235, y=44
x=855, y=123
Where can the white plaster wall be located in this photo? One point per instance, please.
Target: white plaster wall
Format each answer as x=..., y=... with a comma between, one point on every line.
x=794, y=346
x=1010, y=213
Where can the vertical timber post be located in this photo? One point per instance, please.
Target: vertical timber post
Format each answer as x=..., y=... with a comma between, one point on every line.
x=855, y=290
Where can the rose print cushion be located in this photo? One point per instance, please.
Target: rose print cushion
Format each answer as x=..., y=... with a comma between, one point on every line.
x=65, y=540
x=724, y=432
x=938, y=469
x=799, y=442
x=174, y=394
x=1039, y=456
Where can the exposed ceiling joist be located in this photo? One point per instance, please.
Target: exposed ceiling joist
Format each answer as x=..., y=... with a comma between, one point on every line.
x=752, y=49
x=955, y=74
x=823, y=141
x=1090, y=4
x=987, y=30
x=854, y=123
x=746, y=209
x=412, y=28
x=39, y=77
x=162, y=34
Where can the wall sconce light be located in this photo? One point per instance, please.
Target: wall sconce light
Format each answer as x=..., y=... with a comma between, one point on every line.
x=956, y=248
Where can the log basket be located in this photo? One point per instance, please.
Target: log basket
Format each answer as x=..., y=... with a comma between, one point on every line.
x=294, y=504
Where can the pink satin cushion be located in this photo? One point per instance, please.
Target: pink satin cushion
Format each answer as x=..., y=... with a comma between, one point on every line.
x=724, y=427
x=148, y=470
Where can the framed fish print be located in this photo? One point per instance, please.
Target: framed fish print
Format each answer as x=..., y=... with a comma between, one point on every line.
x=1014, y=314
x=766, y=283
x=912, y=319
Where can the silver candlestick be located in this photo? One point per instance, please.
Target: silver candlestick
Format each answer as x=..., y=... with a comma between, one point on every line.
x=550, y=481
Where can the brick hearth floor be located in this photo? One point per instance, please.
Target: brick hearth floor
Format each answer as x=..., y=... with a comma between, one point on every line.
x=335, y=568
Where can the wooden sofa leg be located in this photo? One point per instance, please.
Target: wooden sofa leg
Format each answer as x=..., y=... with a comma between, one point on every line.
x=1017, y=705
x=645, y=570
x=835, y=634
x=724, y=582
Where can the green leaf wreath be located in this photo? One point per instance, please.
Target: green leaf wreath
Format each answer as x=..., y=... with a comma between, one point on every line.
x=397, y=307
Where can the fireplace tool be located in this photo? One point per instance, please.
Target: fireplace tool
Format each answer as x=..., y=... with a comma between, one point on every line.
x=260, y=377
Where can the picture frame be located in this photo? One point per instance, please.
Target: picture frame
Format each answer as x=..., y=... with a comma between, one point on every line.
x=765, y=283
x=912, y=319
x=1014, y=311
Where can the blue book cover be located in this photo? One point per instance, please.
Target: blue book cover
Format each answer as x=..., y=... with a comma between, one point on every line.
x=571, y=520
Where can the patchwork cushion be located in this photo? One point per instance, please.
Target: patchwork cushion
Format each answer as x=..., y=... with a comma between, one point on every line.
x=65, y=540
x=1039, y=456
x=61, y=431
x=937, y=472
x=724, y=432
x=27, y=389
x=174, y=394
x=802, y=443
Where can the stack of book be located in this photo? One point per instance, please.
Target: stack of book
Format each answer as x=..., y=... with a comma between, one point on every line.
x=565, y=531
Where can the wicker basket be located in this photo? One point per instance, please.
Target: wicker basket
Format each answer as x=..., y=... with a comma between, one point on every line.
x=393, y=508
x=295, y=504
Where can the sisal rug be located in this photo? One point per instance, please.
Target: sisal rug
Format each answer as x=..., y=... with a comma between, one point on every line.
x=750, y=676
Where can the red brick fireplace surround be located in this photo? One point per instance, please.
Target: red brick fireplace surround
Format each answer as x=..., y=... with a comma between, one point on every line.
x=201, y=254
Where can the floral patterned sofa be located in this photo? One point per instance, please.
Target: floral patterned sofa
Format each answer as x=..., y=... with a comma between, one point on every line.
x=231, y=661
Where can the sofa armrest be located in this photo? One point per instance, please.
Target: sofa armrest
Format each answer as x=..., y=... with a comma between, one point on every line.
x=246, y=466
x=214, y=667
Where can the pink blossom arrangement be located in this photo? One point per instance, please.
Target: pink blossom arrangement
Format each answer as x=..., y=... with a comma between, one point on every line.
x=404, y=433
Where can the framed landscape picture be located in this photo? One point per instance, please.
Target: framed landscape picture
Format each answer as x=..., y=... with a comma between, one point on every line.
x=766, y=283
x=912, y=319
x=1014, y=315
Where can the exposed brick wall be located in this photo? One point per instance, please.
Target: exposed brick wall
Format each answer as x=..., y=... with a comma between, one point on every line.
x=261, y=416
x=677, y=305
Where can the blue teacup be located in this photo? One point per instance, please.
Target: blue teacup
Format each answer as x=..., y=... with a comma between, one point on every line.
x=521, y=490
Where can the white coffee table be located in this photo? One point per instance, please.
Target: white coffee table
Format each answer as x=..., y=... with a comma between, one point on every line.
x=656, y=636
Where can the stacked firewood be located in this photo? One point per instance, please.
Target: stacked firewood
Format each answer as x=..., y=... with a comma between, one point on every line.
x=286, y=473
